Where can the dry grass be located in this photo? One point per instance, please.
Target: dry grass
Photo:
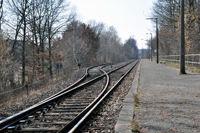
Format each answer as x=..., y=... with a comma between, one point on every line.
x=193, y=69
x=177, y=66
x=21, y=96
x=174, y=65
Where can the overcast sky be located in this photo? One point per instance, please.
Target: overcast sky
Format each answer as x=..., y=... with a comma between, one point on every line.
x=127, y=16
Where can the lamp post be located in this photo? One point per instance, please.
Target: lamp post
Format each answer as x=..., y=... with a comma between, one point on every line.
x=142, y=49
x=149, y=47
x=182, y=47
x=156, y=36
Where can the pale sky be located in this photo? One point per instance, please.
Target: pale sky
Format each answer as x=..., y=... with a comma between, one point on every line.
x=127, y=16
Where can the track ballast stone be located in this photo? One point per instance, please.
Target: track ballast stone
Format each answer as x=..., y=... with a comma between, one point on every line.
x=104, y=118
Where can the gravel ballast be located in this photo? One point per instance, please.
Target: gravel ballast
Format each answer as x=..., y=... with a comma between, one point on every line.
x=19, y=105
x=104, y=118
x=169, y=102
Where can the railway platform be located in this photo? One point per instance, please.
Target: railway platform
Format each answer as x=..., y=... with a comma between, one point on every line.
x=169, y=102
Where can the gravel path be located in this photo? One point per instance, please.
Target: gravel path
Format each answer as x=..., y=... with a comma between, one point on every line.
x=169, y=102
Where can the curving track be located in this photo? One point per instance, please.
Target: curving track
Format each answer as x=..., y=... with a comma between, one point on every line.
x=66, y=110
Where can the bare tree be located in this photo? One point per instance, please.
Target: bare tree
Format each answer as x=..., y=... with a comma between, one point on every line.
x=21, y=9
x=5, y=62
x=55, y=23
x=168, y=14
x=110, y=49
x=75, y=47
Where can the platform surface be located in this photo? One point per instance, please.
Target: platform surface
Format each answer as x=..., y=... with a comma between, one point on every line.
x=169, y=102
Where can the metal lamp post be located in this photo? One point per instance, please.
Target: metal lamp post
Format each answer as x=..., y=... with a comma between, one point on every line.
x=156, y=36
x=151, y=46
x=147, y=44
x=182, y=47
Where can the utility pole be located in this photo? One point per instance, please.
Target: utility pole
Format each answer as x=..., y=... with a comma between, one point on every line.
x=156, y=37
x=182, y=49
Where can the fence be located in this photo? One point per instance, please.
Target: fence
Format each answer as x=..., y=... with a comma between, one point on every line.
x=190, y=59
x=24, y=91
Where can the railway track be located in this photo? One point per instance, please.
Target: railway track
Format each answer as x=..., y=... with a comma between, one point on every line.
x=66, y=110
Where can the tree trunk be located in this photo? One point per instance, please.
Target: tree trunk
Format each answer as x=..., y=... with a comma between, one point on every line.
x=23, y=50
x=50, y=59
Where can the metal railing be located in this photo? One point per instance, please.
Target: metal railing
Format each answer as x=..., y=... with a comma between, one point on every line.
x=190, y=59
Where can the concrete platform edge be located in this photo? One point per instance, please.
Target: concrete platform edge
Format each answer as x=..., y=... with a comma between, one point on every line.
x=125, y=119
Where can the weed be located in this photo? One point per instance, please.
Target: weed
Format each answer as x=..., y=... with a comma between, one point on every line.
x=135, y=127
x=136, y=99
x=136, y=102
x=138, y=79
x=136, y=105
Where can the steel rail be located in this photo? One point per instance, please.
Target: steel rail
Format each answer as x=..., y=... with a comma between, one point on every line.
x=75, y=83
x=31, y=110
x=69, y=87
x=73, y=126
x=88, y=108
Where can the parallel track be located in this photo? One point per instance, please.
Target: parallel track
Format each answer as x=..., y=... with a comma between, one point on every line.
x=62, y=111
